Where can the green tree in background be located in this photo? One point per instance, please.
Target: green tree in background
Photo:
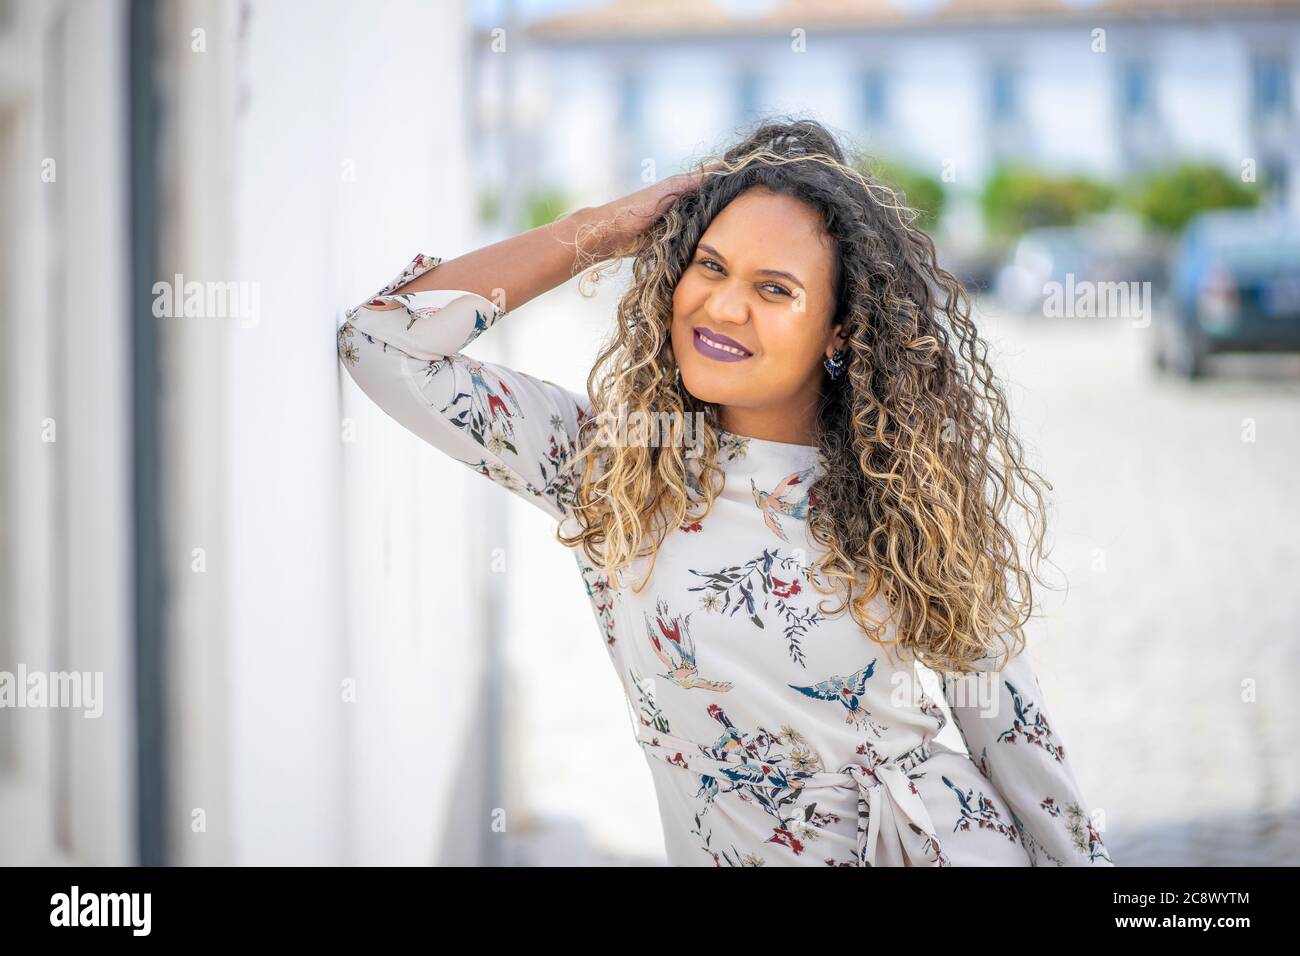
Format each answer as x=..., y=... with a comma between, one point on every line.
x=1167, y=198
x=921, y=191
x=540, y=206
x=1018, y=198
x=489, y=205
x=1015, y=198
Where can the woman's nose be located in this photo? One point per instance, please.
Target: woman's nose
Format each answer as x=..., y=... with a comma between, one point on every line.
x=727, y=304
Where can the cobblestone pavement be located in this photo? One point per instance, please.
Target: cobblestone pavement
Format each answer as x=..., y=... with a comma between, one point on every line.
x=1173, y=657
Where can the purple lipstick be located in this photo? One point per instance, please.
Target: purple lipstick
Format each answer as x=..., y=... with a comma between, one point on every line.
x=716, y=346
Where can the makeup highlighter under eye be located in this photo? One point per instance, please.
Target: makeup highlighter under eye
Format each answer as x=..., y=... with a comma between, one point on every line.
x=715, y=346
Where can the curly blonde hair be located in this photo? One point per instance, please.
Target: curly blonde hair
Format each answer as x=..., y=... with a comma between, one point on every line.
x=919, y=468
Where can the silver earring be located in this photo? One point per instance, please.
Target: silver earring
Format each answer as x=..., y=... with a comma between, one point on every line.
x=835, y=364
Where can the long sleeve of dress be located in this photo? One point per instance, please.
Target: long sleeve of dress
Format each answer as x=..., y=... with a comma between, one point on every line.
x=1003, y=719
x=515, y=429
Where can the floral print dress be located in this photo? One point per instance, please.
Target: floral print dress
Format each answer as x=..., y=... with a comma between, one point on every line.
x=777, y=733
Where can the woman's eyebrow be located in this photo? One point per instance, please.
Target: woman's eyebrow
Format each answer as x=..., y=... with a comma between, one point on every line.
x=767, y=272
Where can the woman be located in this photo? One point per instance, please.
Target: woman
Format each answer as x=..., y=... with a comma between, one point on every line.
x=852, y=443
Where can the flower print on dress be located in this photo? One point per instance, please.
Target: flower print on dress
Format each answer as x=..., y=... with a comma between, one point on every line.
x=347, y=348
x=848, y=692
x=489, y=416
x=1083, y=834
x=732, y=447
x=872, y=760
x=552, y=467
x=555, y=467
x=732, y=856
x=417, y=267
x=790, y=497
x=769, y=777
x=503, y=476
x=648, y=711
x=934, y=711
x=1030, y=723
x=694, y=490
x=601, y=596
x=1031, y=845
x=670, y=638
x=733, y=588
x=979, y=808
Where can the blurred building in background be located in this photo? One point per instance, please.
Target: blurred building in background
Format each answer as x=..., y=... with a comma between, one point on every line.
x=955, y=87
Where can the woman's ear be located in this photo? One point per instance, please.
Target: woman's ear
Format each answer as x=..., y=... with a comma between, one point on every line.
x=839, y=335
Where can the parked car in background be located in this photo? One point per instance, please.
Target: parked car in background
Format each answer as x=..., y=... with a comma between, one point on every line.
x=1235, y=287
x=1051, y=262
x=1038, y=257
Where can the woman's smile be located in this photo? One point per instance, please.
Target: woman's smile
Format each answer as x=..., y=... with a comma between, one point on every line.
x=714, y=345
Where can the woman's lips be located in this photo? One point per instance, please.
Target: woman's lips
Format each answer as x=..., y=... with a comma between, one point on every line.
x=715, y=346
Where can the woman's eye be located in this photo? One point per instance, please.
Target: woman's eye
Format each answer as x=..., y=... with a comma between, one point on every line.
x=775, y=287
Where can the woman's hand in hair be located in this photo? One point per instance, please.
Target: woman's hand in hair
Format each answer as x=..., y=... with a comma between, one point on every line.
x=616, y=225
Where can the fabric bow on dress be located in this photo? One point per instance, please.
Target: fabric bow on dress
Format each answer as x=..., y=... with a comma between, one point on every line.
x=894, y=827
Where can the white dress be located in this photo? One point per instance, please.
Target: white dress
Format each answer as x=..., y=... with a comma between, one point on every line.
x=777, y=734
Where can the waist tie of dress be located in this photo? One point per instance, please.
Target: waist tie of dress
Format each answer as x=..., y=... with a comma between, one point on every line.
x=894, y=827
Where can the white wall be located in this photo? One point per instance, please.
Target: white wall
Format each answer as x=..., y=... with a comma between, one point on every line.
x=347, y=559
x=66, y=780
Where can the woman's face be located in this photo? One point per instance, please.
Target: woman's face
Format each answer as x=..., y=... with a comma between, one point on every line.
x=752, y=314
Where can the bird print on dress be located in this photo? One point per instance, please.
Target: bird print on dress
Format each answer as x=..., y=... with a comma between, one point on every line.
x=765, y=770
x=768, y=776
x=976, y=807
x=1085, y=837
x=731, y=740
x=1030, y=723
x=651, y=715
x=482, y=320
x=670, y=637
x=848, y=692
x=791, y=497
x=489, y=418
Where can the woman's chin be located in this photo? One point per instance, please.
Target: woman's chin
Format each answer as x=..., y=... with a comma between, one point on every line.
x=707, y=388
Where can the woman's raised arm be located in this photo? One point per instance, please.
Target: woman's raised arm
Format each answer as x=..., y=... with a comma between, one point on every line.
x=402, y=346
